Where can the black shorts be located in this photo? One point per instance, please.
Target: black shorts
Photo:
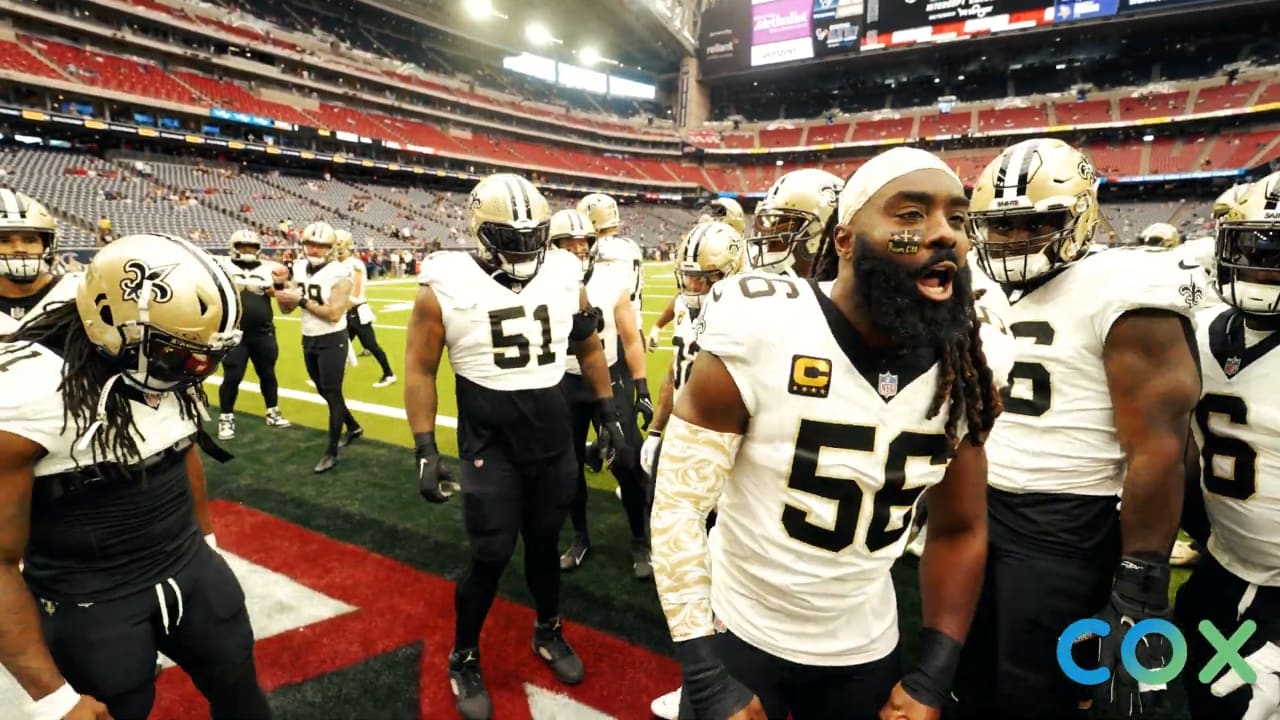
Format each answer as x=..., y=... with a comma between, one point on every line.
x=806, y=692
x=501, y=499
x=1213, y=593
x=108, y=649
x=326, y=359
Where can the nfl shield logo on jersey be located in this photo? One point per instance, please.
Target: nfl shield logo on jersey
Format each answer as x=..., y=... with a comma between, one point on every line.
x=888, y=385
x=1231, y=366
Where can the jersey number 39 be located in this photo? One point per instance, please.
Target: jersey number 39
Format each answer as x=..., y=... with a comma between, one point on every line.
x=815, y=435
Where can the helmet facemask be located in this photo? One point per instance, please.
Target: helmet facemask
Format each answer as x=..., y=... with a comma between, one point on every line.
x=519, y=252
x=24, y=268
x=246, y=253
x=781, y=226
x=588, y=259
x=1018, y=246
x=1247, y=266
x=694, y=284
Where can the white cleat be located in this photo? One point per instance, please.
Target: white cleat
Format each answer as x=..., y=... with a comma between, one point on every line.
x=226, y=427
x=666, y=706
x=385, y=381
x=276, y=420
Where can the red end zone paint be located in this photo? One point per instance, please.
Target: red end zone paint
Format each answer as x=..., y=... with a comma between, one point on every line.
x=398, y=605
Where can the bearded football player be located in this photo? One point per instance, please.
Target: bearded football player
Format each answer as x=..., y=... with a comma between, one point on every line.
x=1098, y=405
x=509, y=316
x=28, y=255
x=1234, y=465
x=102, y=492
x=253, y=278
x=813, y=422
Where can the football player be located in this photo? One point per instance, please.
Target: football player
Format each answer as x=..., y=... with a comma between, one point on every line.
x=360, y=316
x=727, y=211
x=1098, y=405
x=509, y=316
x=615, y=249
x=814, y=422
x=1235, y=464
x=791, y=221
x=608, y=288
x=322, y=289
x=253, y=278
x=102, y=490
x=28, y=255
x=1160, y=235
x=1229, y=200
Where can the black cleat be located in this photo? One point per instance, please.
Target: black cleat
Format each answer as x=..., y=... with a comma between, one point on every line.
x=641, y=564
x=351, y=436
x=549, y=644
x=469, y=693
x=326, y=463
x=576, y=554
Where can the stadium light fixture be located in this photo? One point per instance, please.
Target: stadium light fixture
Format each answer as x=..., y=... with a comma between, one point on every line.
x=589, y=56
x=538, y=34
x=479, y=9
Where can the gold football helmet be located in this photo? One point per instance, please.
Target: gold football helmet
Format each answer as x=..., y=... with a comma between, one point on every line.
x=1229, y=200
x=162, y=307
x=711, y=251
x=1247, y=254
x=728, y=211
x=510, y=221
x=343, y=245
x=245, y=246
x=1034, y=209
x=324, y=239
x=1162, y=235
x=792, y=218
x=573, y=225
x=21, y=215
x=601, y=210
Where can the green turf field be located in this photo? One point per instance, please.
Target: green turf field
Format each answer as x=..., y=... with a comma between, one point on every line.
x=370, y=503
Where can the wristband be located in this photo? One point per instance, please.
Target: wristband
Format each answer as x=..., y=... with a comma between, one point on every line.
x=56, y=705
x=655, y=433
x=424, y=443
x=303, y=302
x=211, y=541
x=930, y=682
x=642, y=387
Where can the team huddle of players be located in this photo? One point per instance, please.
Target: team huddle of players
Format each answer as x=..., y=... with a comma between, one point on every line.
x=879, y=357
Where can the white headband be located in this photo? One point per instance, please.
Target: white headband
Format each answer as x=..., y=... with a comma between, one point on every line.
x=882, y=170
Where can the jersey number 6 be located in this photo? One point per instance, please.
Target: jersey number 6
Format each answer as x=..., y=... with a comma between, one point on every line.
x=502, y=341
x=1041, y=387
x=1243, y=482
x=815, y=435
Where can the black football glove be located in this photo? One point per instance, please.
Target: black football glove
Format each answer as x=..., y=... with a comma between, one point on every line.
x=1141, y=591
x=609, y=430
x=435, y=484
x=644, y=405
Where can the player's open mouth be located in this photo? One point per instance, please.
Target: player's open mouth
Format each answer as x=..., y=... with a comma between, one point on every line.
x=936, y=282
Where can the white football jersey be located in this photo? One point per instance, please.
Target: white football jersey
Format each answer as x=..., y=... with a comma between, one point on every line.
x=619, y=250
x=254, y=280
x=1057, y=433
x=993, y=312
x=61, y=289
x=318, y=287
x=501, y=339
x=605, y=287
x=824, y=486
x=357, y=267
x=1237, y=428
x=684, y=339
x=31, y=407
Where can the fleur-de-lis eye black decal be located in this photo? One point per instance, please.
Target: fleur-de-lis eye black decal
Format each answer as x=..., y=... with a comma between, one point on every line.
x=137, y=273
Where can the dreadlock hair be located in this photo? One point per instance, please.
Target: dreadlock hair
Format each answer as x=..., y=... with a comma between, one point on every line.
x=825, y=260
x=85, y=372
x=967, y=382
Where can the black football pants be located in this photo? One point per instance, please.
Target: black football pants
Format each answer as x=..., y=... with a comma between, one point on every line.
x=326, y=360
x=263, y=350
x=108, y=649
x=368, y=339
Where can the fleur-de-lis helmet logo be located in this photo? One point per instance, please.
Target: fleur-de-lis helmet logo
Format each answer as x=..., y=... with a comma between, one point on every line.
x=137, y=274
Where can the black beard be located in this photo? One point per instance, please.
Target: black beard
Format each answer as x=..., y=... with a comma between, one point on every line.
x=888, y=294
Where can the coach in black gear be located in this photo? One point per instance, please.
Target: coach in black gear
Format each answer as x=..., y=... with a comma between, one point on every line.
x=253, y=278
x=102, y=492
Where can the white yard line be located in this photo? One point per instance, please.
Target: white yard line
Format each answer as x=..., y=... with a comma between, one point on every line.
x=386, y=411
x=381, y=326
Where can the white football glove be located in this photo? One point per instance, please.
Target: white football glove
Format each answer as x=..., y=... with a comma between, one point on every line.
x=1265, y=703
x=653, y=338
x=649, y=453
